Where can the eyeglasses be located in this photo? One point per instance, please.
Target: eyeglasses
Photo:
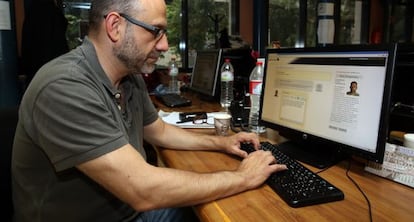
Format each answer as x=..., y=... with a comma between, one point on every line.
x=157, y=32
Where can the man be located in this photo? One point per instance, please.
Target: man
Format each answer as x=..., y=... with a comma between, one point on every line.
x=353, y=89
x=78, y=153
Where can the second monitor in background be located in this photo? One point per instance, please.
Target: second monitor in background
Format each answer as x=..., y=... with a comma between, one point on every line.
x=205, y=78
x=205, y=75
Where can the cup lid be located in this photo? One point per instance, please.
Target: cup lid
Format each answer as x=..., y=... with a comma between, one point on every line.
x=222, y=116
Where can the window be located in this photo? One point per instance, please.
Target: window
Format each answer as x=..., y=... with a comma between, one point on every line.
x=350, y=22
x=192, y=25
x=400, y=24
x=77, y=15
x=197, y=25
x=300, y=30
x=285, y=32
x=311, y=23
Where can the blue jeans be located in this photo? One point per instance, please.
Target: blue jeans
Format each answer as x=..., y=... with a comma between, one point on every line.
x=184, y=214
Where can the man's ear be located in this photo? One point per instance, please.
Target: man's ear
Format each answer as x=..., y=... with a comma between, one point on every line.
x=113, y=26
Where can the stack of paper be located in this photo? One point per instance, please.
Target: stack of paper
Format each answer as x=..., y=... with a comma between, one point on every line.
x=398, y=165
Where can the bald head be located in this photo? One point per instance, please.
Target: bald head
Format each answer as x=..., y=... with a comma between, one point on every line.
x=100, y=8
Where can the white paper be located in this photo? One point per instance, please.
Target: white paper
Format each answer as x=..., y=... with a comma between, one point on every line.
x=326, y=9
x=173, y=117
x=5, y=23
x=326, y=31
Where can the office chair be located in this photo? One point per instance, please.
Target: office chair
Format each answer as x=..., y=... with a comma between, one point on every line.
x=8, y=122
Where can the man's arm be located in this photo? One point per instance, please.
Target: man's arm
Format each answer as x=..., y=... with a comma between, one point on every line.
x=128, y=176
x=169, y=136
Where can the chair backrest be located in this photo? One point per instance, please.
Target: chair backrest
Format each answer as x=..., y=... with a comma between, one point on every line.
x=8, y=122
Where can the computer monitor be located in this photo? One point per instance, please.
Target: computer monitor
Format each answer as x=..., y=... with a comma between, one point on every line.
x=329, y=102
x=205, y=79
x=205, y=74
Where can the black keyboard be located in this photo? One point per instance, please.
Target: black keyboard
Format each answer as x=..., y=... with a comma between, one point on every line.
x=298, y=186
x=173, y=100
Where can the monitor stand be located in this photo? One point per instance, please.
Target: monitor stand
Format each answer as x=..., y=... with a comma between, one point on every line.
x=317, y=156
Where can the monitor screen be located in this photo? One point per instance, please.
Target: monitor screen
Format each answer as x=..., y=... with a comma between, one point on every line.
x=330, y=100
x=205, y=72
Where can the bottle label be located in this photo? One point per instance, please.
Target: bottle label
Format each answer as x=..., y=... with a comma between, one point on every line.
x=255, y=87
x=174, y=71
x=227, y=76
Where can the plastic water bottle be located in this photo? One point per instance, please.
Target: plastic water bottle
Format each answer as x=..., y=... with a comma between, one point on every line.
x=173, y=73
x=227, y=78
x=255, y=90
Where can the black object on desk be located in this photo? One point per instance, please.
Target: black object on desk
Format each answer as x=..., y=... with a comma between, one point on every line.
x=173, y=100
x=192, y=116
x=240, y=110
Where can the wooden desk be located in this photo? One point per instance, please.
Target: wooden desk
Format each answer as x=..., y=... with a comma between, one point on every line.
x=390, y=201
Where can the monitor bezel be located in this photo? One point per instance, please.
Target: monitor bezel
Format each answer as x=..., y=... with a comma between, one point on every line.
x=383, y=134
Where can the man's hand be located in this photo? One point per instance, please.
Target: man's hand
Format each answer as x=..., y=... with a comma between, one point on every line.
x=257, y=167
x=232, y=143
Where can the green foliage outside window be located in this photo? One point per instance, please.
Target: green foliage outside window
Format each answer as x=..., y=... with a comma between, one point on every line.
x=201, y=31
x=284, y=21
x=73, y=31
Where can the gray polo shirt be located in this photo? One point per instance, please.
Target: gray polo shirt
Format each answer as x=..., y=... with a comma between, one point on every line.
x=69, y=115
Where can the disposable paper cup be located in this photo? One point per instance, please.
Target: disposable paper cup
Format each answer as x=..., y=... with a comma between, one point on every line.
x=409, y=140
x=222, y=123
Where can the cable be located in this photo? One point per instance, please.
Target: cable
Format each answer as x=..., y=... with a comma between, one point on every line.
x=322, y=170
x=399, y=105
x=359, y=188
